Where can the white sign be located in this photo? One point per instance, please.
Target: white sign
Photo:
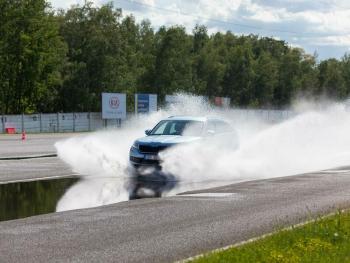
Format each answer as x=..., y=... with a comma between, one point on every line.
x=114, y=106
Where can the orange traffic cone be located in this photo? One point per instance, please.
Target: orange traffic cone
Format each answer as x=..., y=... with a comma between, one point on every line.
x=23, y=135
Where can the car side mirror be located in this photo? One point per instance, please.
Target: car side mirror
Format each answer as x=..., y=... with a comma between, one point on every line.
x=148, y=132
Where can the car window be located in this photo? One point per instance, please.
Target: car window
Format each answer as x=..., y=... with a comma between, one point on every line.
x=160, y=128
x=178, y=127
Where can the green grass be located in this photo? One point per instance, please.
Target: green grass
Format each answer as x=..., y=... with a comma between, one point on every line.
x=323, y=240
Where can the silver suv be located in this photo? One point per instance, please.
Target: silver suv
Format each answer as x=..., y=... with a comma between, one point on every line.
x=177, y=130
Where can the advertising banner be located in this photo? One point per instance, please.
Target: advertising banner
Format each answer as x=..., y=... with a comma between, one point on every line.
x=222, y=102
x=145, y=103
x=114, y=106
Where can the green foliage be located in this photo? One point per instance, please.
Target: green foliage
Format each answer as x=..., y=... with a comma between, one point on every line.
x=31, y=55
x=331, y=78
x=173, y=68
x=324, y=240
x=62, y=61
x=94, y=60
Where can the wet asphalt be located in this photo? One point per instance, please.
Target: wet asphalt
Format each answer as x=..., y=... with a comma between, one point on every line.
x=14, y=169
x=174, y=228
x=156, y=229
x=11, y=145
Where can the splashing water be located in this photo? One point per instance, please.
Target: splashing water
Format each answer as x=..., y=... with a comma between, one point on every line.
x=315, y=139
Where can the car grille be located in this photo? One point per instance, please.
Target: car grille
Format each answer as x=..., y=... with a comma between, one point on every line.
x=151, y=149
x=143, y=161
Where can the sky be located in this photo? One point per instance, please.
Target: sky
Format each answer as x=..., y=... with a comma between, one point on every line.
x=321, y=26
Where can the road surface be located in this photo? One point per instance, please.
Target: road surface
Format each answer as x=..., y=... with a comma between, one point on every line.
x=173, y=228
x=35, y=144
x=13, y=170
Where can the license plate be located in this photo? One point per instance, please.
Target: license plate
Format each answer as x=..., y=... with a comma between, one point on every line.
x=151, y=157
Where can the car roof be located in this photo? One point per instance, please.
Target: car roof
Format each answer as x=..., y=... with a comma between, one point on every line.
x=187, y=118
x=192, y=118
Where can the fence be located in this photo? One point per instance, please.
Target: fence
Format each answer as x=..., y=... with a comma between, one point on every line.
x=265, y=115
x=90, y=121
x=55, y=122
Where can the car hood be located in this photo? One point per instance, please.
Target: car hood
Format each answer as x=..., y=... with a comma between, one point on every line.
x=166, y=139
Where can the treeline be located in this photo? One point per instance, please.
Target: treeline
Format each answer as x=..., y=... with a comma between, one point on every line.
x=62, y=60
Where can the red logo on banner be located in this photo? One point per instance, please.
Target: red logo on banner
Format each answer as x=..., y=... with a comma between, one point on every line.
x=114, y=102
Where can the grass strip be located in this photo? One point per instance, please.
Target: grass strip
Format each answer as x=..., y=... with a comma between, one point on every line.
x=322, y=240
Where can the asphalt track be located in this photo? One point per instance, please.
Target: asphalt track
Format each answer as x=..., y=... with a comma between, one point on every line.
x=18, y=160
x=174, y=228
x=156, y=230
x=34, y=145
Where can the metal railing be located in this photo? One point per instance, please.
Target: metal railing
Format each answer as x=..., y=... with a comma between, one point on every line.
x=91, y=121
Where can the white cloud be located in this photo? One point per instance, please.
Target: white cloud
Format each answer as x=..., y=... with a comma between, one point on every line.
x=68, y=3
x=222, y=9
x=333, y=41
x=303, y=23
x=264, y=14
x=295, y=46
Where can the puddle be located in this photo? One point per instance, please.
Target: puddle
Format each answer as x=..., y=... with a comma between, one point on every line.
x=23, y=199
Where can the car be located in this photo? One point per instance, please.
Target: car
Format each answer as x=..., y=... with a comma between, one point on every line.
x=177, y=130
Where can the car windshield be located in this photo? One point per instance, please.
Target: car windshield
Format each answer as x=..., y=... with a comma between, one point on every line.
x=178, y=127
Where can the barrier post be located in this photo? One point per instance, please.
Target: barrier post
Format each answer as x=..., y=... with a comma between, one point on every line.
x=89, y=120
x=73, y=122
x=41, y=124
x=22, y=122
x=3, y=123
x=58, y=122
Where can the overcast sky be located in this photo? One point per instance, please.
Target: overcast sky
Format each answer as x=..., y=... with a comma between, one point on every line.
x=322, y=26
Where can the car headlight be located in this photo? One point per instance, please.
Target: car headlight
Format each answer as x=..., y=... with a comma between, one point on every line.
x=135, y=145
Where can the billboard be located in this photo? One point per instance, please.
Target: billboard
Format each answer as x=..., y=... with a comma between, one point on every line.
x=114, y=106
x=145, y=103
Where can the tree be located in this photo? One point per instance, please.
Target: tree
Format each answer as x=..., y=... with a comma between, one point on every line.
x=63, y=61
x=211, y=66
x=239, y=76
x=289, y=82
x=31, y=56
x=266, y=79
x=173, y=65
x=309, y=75
x=147, y=58
x=345, y=66
x=95, y=58
x=331, y=81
